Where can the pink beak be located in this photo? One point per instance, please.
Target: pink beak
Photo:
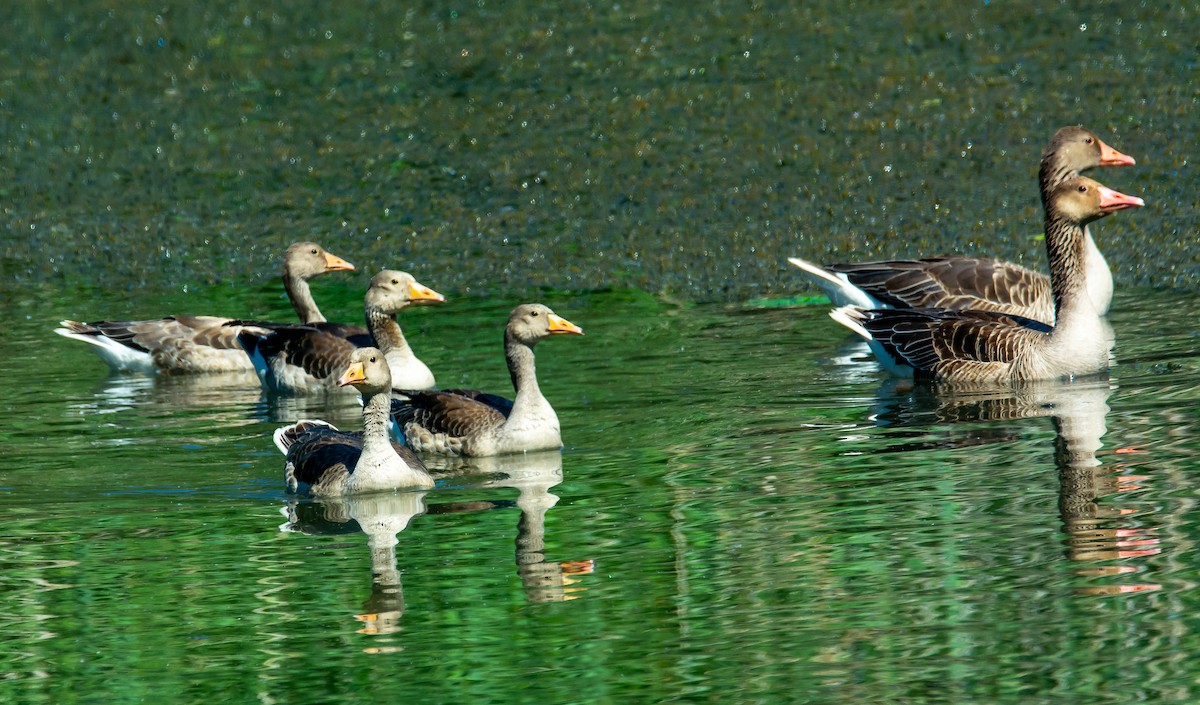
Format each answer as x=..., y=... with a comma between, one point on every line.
x=1111, y=157
x=1112, y=201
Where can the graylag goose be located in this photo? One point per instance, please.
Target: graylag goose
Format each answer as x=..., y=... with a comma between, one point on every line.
x=204, y=343
x=302, y=359
x=984, y=284
x=473, y=423
x=992, y=347
x=325, y=462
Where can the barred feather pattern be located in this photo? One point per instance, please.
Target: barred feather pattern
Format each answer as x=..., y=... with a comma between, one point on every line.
x=446, y=421
x=954, y=283
x=962, y=346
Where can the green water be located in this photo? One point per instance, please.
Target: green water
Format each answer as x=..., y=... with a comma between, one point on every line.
x=745, y=511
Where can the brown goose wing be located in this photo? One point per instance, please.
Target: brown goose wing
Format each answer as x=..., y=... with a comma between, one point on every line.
x=320, y=354
x=955, y=283
x=497, y=402
x=444, y=412
x=215, y=332
x=357, y=335
x=320, y=455
x=936, y=342
x=158, y=333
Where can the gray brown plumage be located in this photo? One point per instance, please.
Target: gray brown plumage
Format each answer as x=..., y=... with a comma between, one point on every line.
x=202, y=343
x=473, y=423
x=988, y=346
x=323, y=461
x=303, y=359
x=980, y=283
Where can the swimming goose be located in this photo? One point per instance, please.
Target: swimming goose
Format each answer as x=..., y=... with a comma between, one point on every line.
x=989, y=346
x=302, y=359
x=469, y=422
x=323, y=461
x=203, y=343
x=959, y=282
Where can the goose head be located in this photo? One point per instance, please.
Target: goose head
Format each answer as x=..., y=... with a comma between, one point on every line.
x=305, y=260
x=1074, y=149
x=529, y=323
x=368, y=372
x=391, y=291
x=1083, y=200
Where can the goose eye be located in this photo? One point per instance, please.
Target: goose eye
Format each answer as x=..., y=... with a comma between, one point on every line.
x=533, y=313
x=372, y=358
x=1088, y=139
x=395, y=281
x=1081, y=188
x=314, y=251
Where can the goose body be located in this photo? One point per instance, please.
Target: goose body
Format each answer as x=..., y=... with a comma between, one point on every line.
x=323, y=461
x=301, y=359
x=984, y=284
x=202, y=343
x=473, y=423
x=990, y=346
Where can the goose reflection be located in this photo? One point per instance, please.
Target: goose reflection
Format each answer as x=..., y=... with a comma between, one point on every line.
x=1097, y=531
x=381, y=517
x=532, y=475
x=220, y=392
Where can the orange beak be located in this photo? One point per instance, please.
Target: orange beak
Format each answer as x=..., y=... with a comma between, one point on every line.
x=1112, y=201
x=558, y=324
x=353, y=375
x=333, y=263
x=420, y=292
x=1111, y=157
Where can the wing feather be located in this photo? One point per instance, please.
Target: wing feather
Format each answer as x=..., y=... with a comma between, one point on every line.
x=955, y=283
x=448, y=413
x=952, y=345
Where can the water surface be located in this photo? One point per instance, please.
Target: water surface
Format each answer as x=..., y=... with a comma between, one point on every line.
x=746, y=510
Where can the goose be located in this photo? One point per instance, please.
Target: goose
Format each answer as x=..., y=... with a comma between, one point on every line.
x=325, y=462
x=960, y=282
x=988, y=347
x=204, y=343
x=299, y=359
x=472, y=423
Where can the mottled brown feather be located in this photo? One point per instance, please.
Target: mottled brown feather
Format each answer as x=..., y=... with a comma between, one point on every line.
x=447, y=412
x=937, y=343
x=954, y=283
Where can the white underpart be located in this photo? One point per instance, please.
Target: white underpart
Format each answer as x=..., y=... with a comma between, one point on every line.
x=1099, y=275
x=408, y=372
x=116, y=355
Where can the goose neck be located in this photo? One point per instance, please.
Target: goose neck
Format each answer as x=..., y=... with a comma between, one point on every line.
x=301, y=297
x=1052, y=173
x=376, y=422
x=1065, y=249
x=386, y=331
x=521, y=368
